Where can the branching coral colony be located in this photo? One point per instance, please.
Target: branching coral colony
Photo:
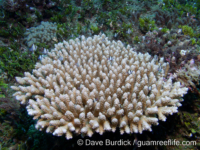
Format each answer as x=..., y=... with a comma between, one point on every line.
x=96, y=85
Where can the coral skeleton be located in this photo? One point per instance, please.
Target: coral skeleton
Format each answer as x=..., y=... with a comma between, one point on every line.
x=92, y=85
